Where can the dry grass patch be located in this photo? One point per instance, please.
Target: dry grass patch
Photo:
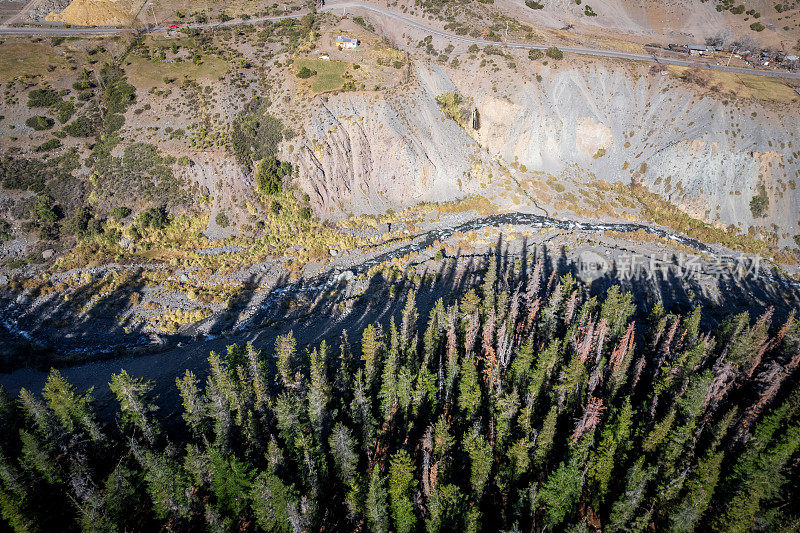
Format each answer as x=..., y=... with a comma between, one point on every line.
x=24, y=58
x=144, y=73
x=330, y=75
x=742, y=85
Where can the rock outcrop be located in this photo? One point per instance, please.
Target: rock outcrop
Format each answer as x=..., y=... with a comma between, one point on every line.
x=363, y=153
x=367, y=153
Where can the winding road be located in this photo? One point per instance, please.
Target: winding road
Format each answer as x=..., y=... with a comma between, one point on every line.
x=350, y=6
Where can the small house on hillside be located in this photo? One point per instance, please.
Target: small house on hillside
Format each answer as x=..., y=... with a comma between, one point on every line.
x=347, y=43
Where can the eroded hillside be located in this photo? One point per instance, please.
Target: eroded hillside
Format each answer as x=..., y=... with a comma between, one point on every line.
x=162, y=185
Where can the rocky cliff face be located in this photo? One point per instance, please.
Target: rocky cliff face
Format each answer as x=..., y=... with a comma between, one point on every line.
x=364, y=153
x=706, y=155
x=367, y=153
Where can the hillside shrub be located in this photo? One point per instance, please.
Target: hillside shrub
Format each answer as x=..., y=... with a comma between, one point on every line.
x=269, y=175
x=82, y=126
x=119, y=212
x=65, y=112
x=40, y=123
x=759, y=205
x=256, y=133
x=49, y=146
x=114, y=122
x=222, y=220
x=118, y=93
x=43, y=98
x=554, y=53
x=153, y=218
x=6, y=231
x=305, y=73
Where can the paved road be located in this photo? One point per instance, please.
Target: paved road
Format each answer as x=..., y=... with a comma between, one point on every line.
x=350, y=6
x=57, y=30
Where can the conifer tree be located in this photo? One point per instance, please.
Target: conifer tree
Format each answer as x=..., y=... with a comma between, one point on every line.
x=627, y=513
x=612, y=449
x=231, y=480
x=758, y=474
x=375, y=506
x=480, y=462
x=401, y=480
x=272, y=499
x=285, y=347
x=544, y=441
x=370, y=349
x=70, y=408
x=469, y=389
x=137, y=411
x=408, y=323
x=342, y=448
x=361, y=410
x=561, y=491
x=193, y=405
x=319, y=390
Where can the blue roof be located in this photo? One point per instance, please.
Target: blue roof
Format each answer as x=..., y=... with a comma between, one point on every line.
x=341, y=39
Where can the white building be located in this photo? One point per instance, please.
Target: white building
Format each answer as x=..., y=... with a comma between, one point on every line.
x=347, y=43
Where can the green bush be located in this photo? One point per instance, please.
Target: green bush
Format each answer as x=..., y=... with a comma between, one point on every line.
x=757, y=26
x=222, y=220
x=120, y=212
x=48, y=146
x=759, y=205
x=118, y=93
x=154, y=218
x=43, y=98
x=535, y=55
x=83, y=84
x=114, y=122
x=65, y=112
x=24, y=174
x=6, y=231
x=451, y=106
x=269, y=175
x=533, y=4
x=256, y=133
x=275, y=207
x=305, y=73
x=44, y=208
x=40, y=123
x=554, y=53
x=364, y=23
x=82, y=126
x=305, y=213
x=589, y=12
x=81, y=223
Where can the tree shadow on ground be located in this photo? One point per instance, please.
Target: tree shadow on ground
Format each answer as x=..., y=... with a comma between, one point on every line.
x=322, y=308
